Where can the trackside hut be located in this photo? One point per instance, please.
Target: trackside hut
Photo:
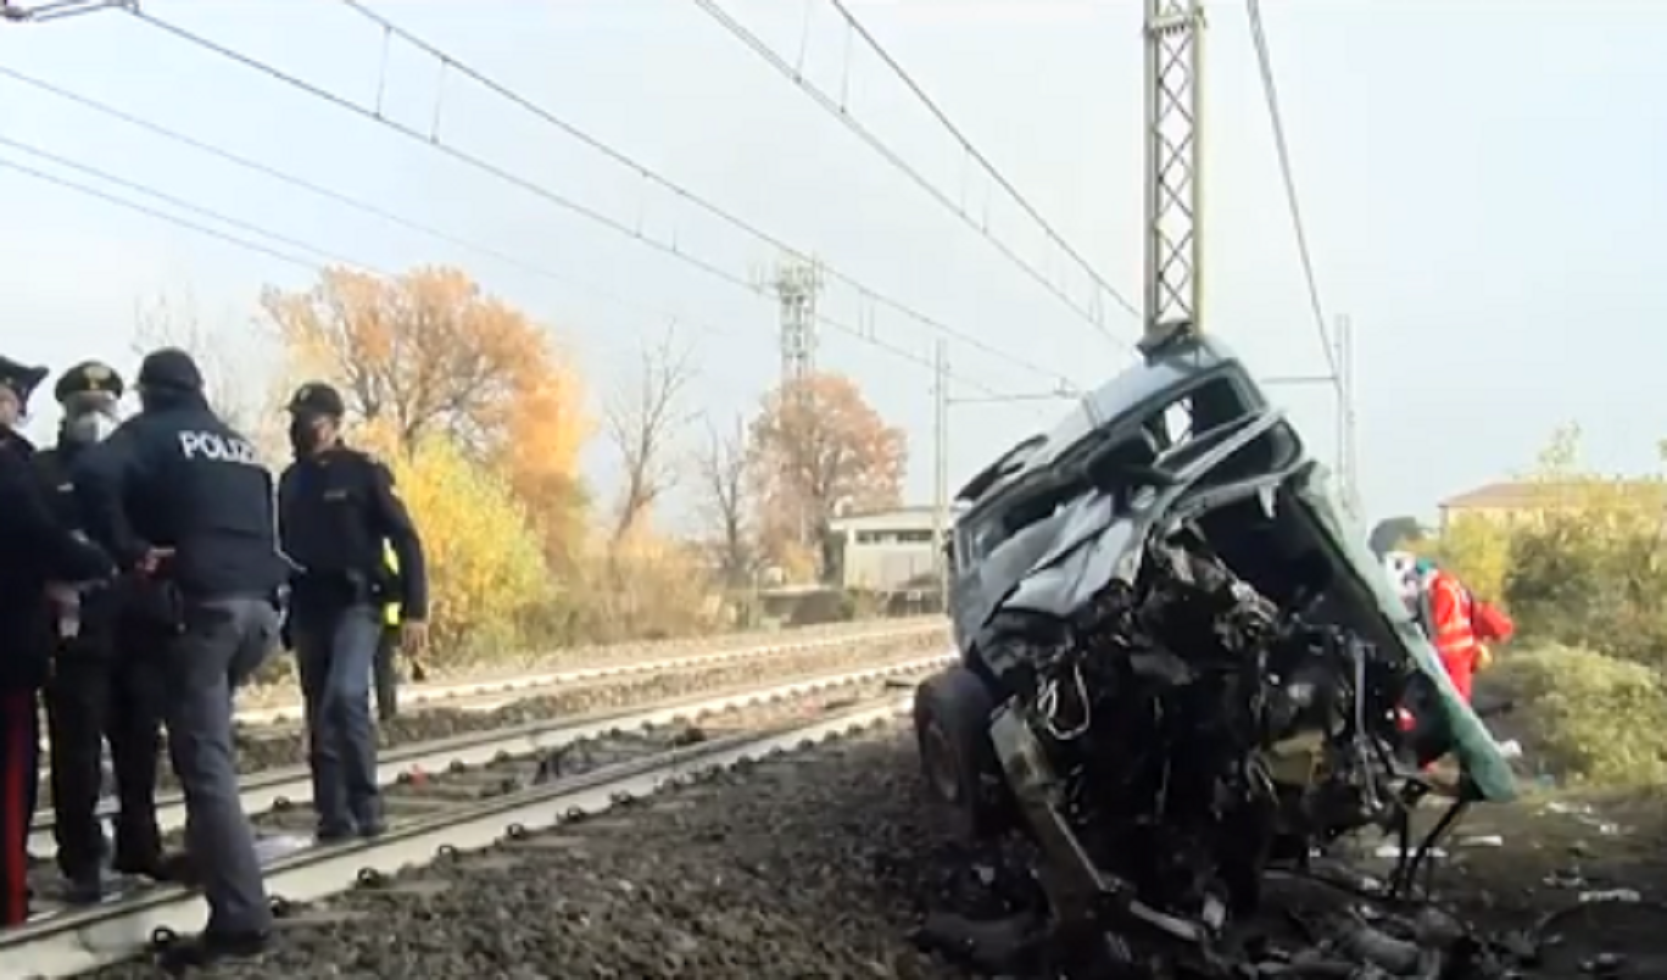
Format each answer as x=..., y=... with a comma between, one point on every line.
x=886, y=550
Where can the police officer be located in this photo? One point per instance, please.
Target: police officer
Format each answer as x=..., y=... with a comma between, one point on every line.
x=177, y=495
x=35, y=550
x=103, y=677
x=336, y=507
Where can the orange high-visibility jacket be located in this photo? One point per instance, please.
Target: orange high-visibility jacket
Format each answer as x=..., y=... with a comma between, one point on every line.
x=1452, y=628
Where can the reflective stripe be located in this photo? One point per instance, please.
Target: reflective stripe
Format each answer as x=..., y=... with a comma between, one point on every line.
x=390, y=610
x=1453, y=634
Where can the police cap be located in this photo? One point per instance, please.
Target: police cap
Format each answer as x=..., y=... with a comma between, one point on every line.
x=318, y=398
x=89, y=378
x=21, y=378
x=172, y=368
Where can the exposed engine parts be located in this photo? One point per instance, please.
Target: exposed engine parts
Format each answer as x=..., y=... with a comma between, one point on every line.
x=1167, y=747
x=1179, y=673
x=1171, y=739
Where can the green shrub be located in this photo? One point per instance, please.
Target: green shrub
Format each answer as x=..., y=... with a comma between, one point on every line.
x=1588, y=717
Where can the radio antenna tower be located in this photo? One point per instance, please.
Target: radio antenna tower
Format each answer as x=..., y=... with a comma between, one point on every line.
x=797, y=284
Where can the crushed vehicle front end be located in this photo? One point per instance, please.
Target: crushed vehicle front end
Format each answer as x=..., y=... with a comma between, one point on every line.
x=1180, y=668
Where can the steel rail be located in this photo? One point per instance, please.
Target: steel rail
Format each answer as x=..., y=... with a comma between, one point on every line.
x=262, y=791
x=515, y=688
x=76, y=942
x=432, y=696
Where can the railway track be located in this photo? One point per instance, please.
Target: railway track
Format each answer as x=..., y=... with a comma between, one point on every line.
x=487, y=694
x=584, y=690
x=467, y=793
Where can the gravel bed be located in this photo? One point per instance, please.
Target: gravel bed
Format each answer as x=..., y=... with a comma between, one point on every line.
x=285, y=693
x=436, y=791
x=808, y=866
x=260, y=749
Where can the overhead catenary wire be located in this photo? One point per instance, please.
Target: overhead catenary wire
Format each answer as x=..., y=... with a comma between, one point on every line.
x=323, y=257
x=359, y=204
x=582, y=210
x=311, y=258
x=1270, y=90
x=835, y=107
x=160, y=215
x=454, y=64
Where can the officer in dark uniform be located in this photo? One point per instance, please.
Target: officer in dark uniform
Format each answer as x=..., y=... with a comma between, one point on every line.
x=176, y=495
x=103, y=680
x=336, y=507
x=35, y=550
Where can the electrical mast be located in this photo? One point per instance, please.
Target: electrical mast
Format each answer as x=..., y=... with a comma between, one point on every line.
x=1174, y=186
x=1348, y=459
x=940, y=467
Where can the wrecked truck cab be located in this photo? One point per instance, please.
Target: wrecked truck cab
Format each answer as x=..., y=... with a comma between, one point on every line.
x=1179, y=659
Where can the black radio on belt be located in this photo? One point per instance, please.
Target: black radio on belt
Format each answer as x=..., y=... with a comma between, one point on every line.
x=347, y=587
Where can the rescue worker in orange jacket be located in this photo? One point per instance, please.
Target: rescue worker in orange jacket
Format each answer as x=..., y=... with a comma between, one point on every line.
x=1459, y=625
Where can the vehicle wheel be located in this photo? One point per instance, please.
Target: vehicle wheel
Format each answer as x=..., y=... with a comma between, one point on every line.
x=952, y=717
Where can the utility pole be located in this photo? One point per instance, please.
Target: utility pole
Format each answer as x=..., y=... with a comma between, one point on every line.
x=1348, y=458
x=1174, y=179
x=940, y=467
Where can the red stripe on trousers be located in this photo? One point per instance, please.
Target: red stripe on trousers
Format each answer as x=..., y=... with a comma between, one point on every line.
x=14, y=806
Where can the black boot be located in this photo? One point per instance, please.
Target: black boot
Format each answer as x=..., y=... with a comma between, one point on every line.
x=86, y=888
x=158, y=867
x=212, y=947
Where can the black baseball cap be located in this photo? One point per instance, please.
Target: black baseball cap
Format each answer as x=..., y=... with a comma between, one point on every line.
x=318, y=398
x=170, y=367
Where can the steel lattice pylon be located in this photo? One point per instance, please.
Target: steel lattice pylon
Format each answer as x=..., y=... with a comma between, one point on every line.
x=1174, y=35
x=797, y=285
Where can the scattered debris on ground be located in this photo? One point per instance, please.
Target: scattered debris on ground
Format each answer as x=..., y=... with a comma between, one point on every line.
x=828, y=866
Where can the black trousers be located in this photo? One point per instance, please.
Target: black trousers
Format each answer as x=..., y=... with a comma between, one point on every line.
x=97, y=695
x=19, y=775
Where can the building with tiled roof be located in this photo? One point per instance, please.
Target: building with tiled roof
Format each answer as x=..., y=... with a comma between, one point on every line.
x=1516, y=499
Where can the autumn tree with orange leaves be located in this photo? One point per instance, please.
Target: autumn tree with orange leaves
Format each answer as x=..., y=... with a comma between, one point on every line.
x=819, y=449
x=427, y=351
x=430, y=353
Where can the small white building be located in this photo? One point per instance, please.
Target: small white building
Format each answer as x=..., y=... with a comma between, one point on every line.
x=887, y=551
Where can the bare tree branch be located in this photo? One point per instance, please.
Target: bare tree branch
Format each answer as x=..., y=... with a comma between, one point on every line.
x=725, y=483
x=240, y=393
x=644, y=421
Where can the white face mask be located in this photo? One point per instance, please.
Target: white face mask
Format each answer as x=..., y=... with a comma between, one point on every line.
x=89, y=427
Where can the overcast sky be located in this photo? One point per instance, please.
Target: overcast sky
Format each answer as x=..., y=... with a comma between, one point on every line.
x=1480, y=182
